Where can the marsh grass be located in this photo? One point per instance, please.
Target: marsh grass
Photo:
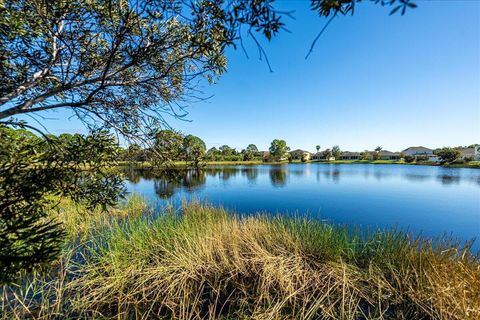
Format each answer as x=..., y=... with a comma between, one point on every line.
x=207, y=263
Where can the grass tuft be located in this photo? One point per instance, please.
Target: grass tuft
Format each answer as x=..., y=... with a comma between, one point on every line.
x=205, y=263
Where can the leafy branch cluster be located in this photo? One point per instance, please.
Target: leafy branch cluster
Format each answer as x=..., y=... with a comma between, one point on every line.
x=126, y=64
x=33, y=172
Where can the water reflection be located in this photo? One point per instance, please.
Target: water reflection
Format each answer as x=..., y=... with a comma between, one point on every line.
x=250, y=173
x=381, y=174
x=336, y=175
x=167, y=182
x=133, y=175
x=416, y=177
x=432, y=200
x=278, y=177
x=449, y=179
x=223, y=173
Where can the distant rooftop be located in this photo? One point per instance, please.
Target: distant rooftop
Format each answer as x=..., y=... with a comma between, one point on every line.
x=388, y=153
x=299, y=150
x=420, y=148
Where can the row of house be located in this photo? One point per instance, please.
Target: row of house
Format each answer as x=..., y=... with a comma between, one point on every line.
x=471, y=153
x=349, y=155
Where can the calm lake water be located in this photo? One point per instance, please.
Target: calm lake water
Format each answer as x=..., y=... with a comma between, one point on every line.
x=430, y=200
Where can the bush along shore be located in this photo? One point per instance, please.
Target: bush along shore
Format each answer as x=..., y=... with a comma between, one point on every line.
x=204, y=262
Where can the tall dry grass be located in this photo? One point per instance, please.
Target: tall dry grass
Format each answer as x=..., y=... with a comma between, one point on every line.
x=207, y=263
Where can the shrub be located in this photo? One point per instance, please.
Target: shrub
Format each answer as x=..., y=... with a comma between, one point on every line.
x=365, y=155
x=448, y=154
x=233, y=157
x=422, y=158
x=409, y=158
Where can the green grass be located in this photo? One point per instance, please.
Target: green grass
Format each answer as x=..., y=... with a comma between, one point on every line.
x=471, y=164
x=207, y=263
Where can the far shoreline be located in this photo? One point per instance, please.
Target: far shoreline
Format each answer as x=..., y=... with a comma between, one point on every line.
x=182, y=164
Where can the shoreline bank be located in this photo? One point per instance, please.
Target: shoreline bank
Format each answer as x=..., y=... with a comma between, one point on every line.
x=182, y=164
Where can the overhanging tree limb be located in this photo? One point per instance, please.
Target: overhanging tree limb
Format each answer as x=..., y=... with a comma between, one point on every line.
x=136, y=55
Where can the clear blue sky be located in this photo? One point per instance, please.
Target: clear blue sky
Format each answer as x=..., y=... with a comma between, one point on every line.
x=373, y=79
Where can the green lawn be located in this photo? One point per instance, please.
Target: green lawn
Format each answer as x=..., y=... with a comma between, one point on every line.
x=471, y=164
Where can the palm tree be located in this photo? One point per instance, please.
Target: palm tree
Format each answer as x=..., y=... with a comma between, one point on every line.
x=318, y=147
x=377, y=152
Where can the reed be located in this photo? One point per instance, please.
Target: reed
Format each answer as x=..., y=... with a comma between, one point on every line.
x=203, y=262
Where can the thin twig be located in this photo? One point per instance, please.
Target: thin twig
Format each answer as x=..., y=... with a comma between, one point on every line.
x=318, y=36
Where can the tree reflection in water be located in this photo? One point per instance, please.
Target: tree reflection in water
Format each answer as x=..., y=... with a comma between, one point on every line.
x=278, y=177
x=449, y=179
x=168, y=182
x=250, y=173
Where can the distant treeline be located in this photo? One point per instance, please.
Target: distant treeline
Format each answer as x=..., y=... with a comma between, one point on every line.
x=168, y=145
x=163, y=146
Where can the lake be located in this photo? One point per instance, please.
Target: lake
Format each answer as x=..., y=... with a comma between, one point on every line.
x=429, y=200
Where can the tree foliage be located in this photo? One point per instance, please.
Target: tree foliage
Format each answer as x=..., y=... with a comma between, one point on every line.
x=251, y=148
x=120, y=62
x=328, y=8
x=128, y=63
x=250, y=153
x=279, y=149
x=305, y=157
x=448, y=154
x=327, y=154
x=336, y=152
x=409, y=158
x=212, y=154
x=365, y=155
x=32, y=170
x=226, y=150
x=168, y=146
x=194, y=149
x=134, y=153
